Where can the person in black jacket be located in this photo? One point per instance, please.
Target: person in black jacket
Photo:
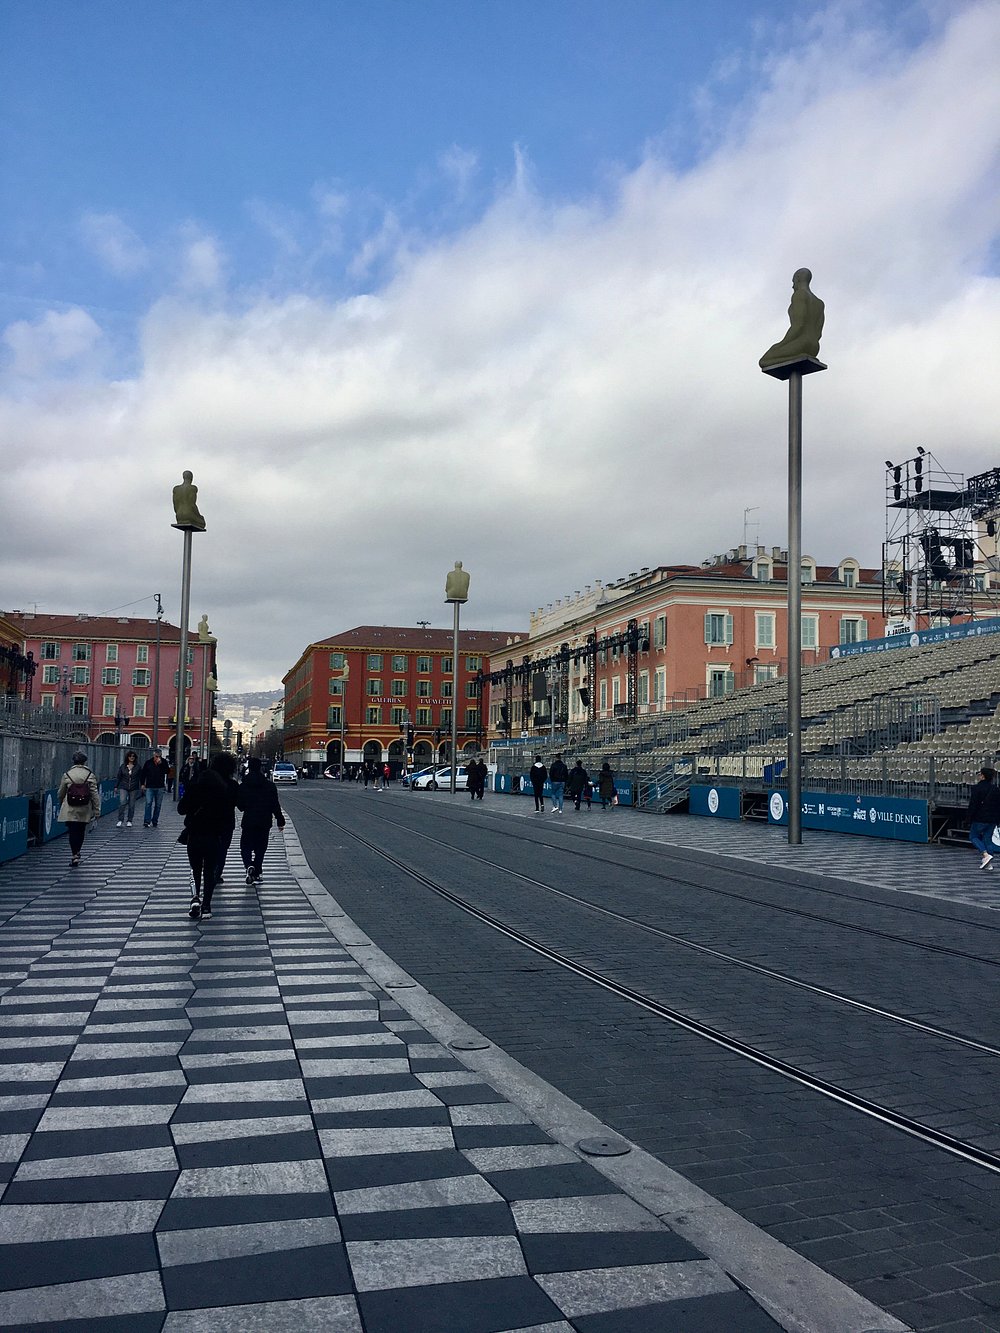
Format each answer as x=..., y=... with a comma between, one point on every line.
x=984, y=815
x=207, y=806
x=577, y=783
x=259, y=802
x=224, y=764
x=538, y=774
x=153, y=781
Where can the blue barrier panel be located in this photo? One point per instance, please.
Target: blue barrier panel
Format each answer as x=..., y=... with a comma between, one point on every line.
x=110, y=800
x=623, y=786
x=715, y=802
x=868, y=816
x=13, y=827
x=50, y=826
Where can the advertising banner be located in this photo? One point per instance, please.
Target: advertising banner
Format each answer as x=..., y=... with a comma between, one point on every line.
x=49, y=826
x=867, y=816
x=715, y=802
x=940, y=634
x=13, y=827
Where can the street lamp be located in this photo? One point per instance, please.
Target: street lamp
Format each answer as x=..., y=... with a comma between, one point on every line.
x=187, y=519
x=456, y=591
x=344, y=676
x=156, y=674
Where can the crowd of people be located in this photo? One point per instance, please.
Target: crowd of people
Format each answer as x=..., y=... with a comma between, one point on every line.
x=574, y=782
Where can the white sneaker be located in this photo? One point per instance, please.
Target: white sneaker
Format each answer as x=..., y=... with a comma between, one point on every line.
x=119, y=824
x=128, y=823
x=987, y=858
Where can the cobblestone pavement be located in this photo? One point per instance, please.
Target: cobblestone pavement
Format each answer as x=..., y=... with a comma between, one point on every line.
x=229, y=1125
x=915, y=1231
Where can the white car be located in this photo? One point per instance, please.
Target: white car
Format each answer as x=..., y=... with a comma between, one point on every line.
x=284, y=772
x=441, y=777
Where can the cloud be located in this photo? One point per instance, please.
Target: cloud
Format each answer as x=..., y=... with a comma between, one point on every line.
x=52, y=342
x=114, y=243
x=555, y=392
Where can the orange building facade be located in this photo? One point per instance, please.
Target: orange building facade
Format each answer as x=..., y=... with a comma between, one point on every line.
x=661, y=638
x=380, y=693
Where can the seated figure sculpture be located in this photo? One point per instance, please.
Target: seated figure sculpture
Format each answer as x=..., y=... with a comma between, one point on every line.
x=805, y=318
x=186, y=512
x=456, y=587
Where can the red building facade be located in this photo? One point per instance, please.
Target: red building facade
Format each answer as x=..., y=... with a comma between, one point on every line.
x=105, y=671
x=367, y=693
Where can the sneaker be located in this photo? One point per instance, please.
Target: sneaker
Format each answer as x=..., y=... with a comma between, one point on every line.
x=119, y=824
x=987, y=858
x=144, y=824
x=206, y=914
x=194, y=911
x=249, y=877
x=128, y=823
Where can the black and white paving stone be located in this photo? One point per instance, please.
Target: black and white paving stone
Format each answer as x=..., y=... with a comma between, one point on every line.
x=229, y=1125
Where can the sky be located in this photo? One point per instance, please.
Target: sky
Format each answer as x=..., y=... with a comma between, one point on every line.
x=404, y=282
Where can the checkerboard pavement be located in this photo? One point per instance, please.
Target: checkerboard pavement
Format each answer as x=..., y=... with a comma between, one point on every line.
x=229, y=1125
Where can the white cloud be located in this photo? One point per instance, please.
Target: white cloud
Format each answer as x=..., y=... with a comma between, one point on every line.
x=558, y=393
x=51, y=342
x=114, y=243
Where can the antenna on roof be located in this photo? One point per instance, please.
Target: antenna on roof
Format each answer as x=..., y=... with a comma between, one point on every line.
x=423, y=623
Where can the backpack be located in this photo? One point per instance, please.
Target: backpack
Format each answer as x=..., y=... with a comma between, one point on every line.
x=78, y=793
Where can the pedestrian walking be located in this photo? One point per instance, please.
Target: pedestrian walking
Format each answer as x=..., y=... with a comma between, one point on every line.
x=80, y=799
x=128, y=785
x=558, y=777
x=259, y=803
x=606, y=789
x=386, y=774
x=171, y=777
x=478, y=773
x=189, y=771
x=153, y=781
x=984, y=816
x=207, y=806
x=577, y=783
x=538, y=774
x=224, y=764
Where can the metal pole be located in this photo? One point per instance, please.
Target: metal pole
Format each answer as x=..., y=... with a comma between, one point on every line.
x=795, y=607
x=156, y=673
x=182, y=661
x=454, y=703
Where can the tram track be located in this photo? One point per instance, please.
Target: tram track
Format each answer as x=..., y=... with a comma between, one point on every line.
x=909, y=1126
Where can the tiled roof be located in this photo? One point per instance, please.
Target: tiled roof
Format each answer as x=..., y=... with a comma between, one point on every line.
x=404, y=637
x=114, y=628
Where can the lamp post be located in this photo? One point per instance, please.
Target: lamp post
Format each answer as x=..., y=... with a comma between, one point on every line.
x=791, y=358
x=188, y=520
x=156, y=674
x=456, y=591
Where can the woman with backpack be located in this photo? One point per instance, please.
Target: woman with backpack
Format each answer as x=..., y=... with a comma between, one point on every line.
x=81, y=802
x=128, y=784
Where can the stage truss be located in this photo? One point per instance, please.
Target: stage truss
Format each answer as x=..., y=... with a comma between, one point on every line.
x=939, y=558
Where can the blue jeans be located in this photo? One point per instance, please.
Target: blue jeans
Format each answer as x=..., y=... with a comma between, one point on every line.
x=557, y=795
x=154, y=799
x=980, y=835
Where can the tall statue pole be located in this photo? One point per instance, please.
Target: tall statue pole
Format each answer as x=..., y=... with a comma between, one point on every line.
x=208, y=640
x=791, y=358
x=187, y=519
x=456, y=591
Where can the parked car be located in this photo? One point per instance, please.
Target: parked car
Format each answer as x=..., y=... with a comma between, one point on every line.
x=285, y=772
x=433, y=778
x=409, y=779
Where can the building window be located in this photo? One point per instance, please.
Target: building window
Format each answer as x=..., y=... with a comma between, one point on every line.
x=604, y=696
x=48, y=702
x=399, y=665
x=472, y=689
x=50, y=675
x=189, y=678
x=108, y=708
x=643, y=687
x=764, y=628
x=79, y=705
x=423, y=689
x=808, y=572
x=446, y=689
x=660, y=685
x=50, y=651
x=374, y=688
x=142, y=652
x=767, y=671
x=720, y=682
x=397, y=716
x=373, y=715
x=336, y=685
x=111, y=676
x=333, y=715
x=616, y=691
x=111, y=652
x=810, y=631
x=473, y=663
x=81, y=652
x=423, y=665
x=446, y=666
x=763, y=571
x=374, y=661
x=140, y=676
x=718, y=628
x=399, y=689
x=139, y=705
x=337, y=661
x=423, y=717
x=853, y=629
x=81, y=675
x=660, y=632
x=848, y=576
x=471, y=719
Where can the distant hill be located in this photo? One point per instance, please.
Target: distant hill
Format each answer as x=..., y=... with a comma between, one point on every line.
x=251, y=701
